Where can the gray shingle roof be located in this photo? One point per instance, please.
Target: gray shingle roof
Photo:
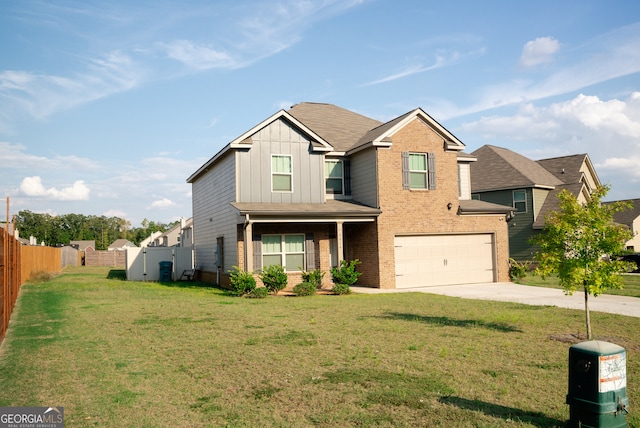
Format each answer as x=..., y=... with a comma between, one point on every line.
x=565, y=168
x=498, y=168
x=552, y=203
x=331, y=208
x=627, y=217
x=342, y=128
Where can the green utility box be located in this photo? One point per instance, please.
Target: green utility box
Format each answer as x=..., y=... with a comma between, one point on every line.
x=597, y=385
x=165, y=271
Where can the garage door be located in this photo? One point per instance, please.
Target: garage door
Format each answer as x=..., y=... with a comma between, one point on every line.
x=432, y=260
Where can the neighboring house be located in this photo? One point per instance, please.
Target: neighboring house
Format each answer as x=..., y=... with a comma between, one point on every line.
x=186, y=232
x=148, y=241
x=121, y=245
x=169, y=238
x=317, y=184
x=631, y=219
x=86, y=245
x=504, y=177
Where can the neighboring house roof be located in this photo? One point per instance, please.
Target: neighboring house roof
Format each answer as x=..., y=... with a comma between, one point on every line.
x=565, y=168
x=474, y=206
x=552, y=203
x=121, y=243
x=499, y=169
x=627, y=217
x=83, y=245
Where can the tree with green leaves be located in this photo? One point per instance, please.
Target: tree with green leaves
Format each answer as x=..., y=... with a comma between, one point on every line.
x=579, y=244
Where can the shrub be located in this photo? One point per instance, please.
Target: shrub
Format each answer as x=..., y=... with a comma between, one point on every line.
x=341, y=289
x=305, y=289
x=314, y=277
x=346, y=273
x=258, y=293
x=517, y=271
x=241, y=282
x=274, y=278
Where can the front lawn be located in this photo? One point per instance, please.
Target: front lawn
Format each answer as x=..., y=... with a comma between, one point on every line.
x=631, y=284
x=135, y=354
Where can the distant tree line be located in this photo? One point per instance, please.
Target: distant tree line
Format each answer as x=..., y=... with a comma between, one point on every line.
x=56, y=230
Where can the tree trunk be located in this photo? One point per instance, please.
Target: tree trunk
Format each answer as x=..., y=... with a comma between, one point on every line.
x=586, y=311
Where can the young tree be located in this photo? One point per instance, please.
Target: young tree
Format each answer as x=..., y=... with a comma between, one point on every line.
x=577, y=244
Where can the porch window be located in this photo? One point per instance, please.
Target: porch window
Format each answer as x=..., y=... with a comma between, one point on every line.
x=281, y=173
x=520, y=201
x=284, y=250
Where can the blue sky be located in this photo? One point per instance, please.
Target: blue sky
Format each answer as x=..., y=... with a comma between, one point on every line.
x=106, y=107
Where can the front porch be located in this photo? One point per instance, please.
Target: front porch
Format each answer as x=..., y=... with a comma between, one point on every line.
x=300, y=237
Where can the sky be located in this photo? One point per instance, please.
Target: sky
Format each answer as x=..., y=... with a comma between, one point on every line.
x=107, y=107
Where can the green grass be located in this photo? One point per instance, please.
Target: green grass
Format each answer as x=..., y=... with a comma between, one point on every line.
x=631, y=284
x=134, y=354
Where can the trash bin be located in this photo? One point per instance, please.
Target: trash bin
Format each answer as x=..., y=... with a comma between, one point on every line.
x=597, y=385
x=165, y=271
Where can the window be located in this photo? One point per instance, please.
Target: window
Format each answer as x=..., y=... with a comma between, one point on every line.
x=418, y=171
x=520, y=201
x=281, y=173
x=283, y=250
x=475, y=196
x=334, y=177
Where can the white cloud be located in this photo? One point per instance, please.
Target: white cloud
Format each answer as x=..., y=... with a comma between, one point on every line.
x=32, y=186
x=42, y=95
x=16, y=156
x=198, y=57
x=604, y=129
x=539, y=51
x=601, y=59
x=442, y=59
x=115, y=213
x=161, y=203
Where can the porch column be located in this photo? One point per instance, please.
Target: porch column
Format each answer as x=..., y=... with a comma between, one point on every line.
x=339, y=239
x=248, y=246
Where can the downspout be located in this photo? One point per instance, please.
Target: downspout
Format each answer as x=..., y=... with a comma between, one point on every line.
x=248, y=244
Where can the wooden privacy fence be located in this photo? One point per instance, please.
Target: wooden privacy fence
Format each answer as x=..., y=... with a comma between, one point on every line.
x=17, y=265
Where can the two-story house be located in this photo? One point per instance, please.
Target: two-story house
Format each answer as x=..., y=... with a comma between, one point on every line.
x=317, y=184
x=630, y=218
x=531, y=187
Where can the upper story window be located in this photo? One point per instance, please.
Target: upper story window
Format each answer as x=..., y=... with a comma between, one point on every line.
x=520, y=201
x=418, y=171
x=337, y=177
x=281, y=173
x=334, y=175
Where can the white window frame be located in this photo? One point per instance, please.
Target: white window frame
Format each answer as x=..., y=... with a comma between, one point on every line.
x=327, y=178
x=520, y=201
x=283, y=251
x=280, y=173
x=424, y=172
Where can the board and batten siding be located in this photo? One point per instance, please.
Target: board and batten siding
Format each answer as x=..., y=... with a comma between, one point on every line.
x=254, y=167
x=213, y=215
x=364, y=178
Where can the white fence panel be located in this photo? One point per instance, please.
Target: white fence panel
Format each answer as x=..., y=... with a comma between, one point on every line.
x=143, y=264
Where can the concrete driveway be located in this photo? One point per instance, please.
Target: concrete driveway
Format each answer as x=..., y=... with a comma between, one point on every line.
x=510, y=292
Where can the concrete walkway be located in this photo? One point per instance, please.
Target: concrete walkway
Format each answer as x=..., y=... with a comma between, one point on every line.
x=529, y=295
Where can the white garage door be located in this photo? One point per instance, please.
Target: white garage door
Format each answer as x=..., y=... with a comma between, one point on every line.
x=432, y=260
